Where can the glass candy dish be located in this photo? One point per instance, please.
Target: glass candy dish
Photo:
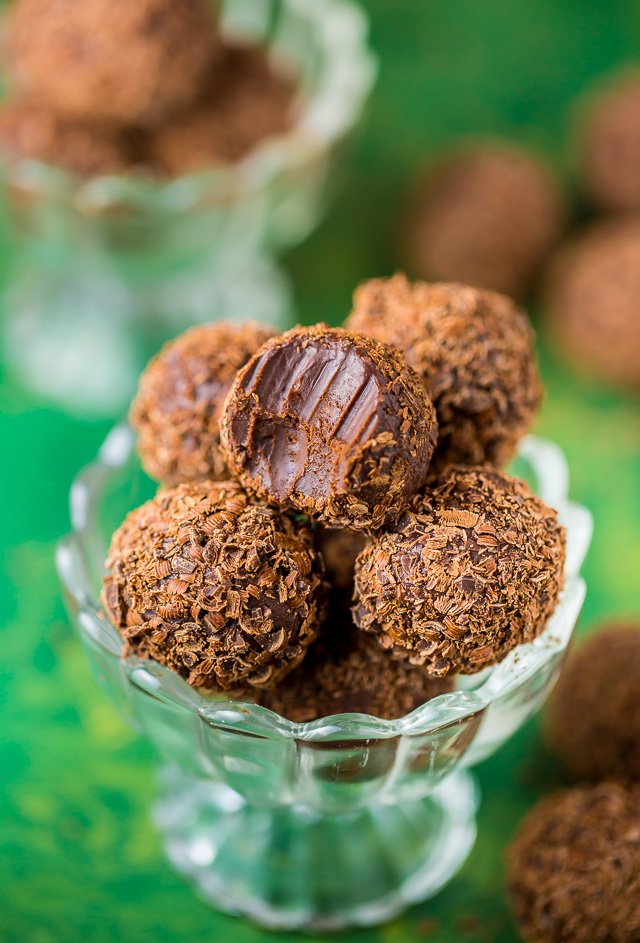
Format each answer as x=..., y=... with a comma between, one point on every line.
x=108, y=268
x=341, y=821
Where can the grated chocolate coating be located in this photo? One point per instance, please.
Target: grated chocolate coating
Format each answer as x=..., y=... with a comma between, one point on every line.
x=345, y=672
x=473, y=350
x=222, y=589
x=610, y=146
x=593, y=717
x=132, y=65
x=471, y=570
x=339, y=548
x=31, y=132
x=486, y=216
x=592, y=299
x=247, y=101
x=573, y=868
x=180, y=396
x=331, y=423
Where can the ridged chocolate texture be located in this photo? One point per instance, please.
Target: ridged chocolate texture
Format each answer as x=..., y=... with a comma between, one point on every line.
x=180, y=396
x=222, y=589
x=345, y=672
x=331, y=423
x=471, y=570
x=573, y=868
x=593, y=718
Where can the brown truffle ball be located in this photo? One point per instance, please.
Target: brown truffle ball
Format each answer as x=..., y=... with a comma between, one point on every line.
x=330, y=423
x=486, y=217
x=610, y=146
x=593, y=301
x=224, y=590
x=574, y=867
x=180, y=398
x=339, y=548
x=247, y=102
x=345, y=672
x=593, y=719
x=127, y=63
x=473, y=350
x=471, y=570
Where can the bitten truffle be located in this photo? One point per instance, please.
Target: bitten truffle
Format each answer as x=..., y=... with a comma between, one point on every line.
x=330, y=423
x=346, y=672
x=486, y=217
x=181, y=395
x=339, y=548
x=89, y=61
x=610, y=146
x=474, y=352
x=592, y=297
x=574, y=867
x=31, y=132
x=224, y=590
x=593, y=718
x=471, y=570
x=247, y=102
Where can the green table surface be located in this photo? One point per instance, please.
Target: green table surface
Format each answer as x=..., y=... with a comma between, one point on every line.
x=79, y=858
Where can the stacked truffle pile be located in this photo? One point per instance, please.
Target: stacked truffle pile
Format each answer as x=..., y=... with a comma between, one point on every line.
x=304, y=549
x=97, y=91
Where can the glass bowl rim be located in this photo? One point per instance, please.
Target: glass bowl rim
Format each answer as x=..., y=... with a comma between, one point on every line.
x=73, y=556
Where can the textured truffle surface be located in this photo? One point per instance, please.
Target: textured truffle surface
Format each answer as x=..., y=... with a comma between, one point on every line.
x=31, y=132
x=345, y=671
x=331, y=423
x=610, y=146
x=180, y=397
x=339, y=548
x=474, y=352
x=485, y=217
x=471, y=570
x=247, y=102
x=593, y=300
x=222, y=589
x=128, y=63
x=593, y=718
x=574, y=867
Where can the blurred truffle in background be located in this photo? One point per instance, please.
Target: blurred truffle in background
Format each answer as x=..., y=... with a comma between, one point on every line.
x=609, y=145
x=339, y=548
x=592, y=300
x=485, y=215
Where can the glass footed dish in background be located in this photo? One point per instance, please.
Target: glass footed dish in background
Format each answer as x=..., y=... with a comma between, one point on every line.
x=110, y=267
x=337, y=822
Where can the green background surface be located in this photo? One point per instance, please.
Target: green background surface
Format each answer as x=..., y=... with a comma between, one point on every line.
x=79, y=859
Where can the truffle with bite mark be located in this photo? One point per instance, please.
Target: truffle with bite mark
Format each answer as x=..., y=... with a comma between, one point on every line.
x=130, y=64
x=593, y=717
x=486, y=216
x=473, y=350
x=180, y=398
x=573, y=868
x=222, y=589
x=592, y=299
x=472, y=569
x=330, y=423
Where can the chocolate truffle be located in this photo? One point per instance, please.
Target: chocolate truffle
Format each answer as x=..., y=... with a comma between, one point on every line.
x=486, y=216
x=331, y=423
x=345, y=672
x=473, y=568
x=574, y=867
x=222, y=589
x=593, y=718
x=248, y=101
x=180, y=398
x=31, y=132
x=130, y=63
x=474, y=352
x=339, y=548
x=610, y=146
x=592, y=299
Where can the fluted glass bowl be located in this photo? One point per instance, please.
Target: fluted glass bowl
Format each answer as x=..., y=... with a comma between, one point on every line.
x=113, y=265
x=341, y=821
